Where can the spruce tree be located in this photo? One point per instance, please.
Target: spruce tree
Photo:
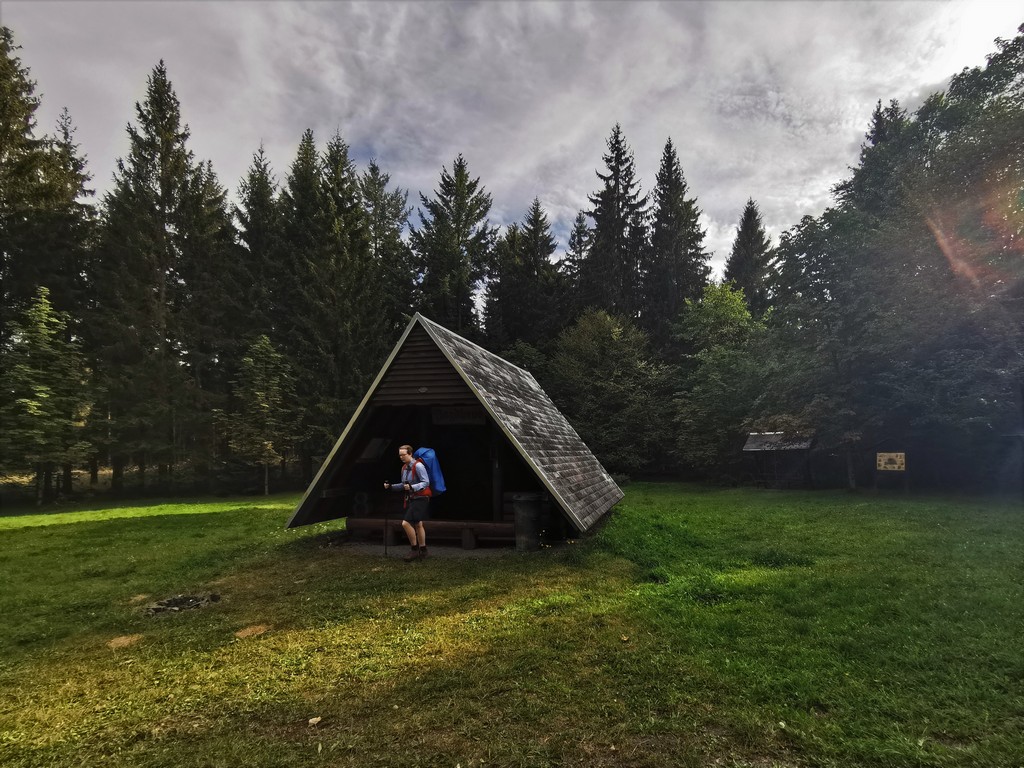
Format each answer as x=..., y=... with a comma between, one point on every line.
x=24, y=196
x=44, y=394
x=331, y=321
x=357, y=304
x=258, y=217
x=500, y=302
x=539, y=320
x=610, y=276
x=260, y=424
x=676, y=267
x=453, y=247
x=570, y=271
x=521, y=303
x=68, y=239
x=387, y=214
x=749, y=263
x=214, y=317
x=164, y=227
x=68, y=221
x=876, y=184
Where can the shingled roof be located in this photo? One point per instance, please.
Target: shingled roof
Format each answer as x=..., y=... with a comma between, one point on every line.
x=525, y=414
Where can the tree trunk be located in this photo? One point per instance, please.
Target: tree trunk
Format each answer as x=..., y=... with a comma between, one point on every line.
x=48, y=481
x=851, y=471
x=142, y=474
x=266, y=478
x=39, y=484
x=68, y=480
x=94, y=471
x=307, y=469
x=117, y=474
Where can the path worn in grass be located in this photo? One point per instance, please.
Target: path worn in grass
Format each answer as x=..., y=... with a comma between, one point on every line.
x=699, y=627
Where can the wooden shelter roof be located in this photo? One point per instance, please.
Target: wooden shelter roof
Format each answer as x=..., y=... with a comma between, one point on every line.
x=525, y=414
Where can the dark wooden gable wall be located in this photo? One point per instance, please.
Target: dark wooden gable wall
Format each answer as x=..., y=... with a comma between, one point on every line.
x=420, y=374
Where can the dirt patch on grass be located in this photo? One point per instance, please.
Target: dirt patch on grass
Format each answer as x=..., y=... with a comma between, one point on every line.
x=123, y=641
x=253, y=631
x=138, y=599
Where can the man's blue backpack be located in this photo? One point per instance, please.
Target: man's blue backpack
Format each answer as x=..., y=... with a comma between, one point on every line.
x=429, y=459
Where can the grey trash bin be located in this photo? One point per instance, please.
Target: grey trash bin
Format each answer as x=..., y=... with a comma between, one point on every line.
x=528, y=509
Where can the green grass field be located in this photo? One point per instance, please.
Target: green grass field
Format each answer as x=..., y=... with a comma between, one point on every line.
x=698, y=627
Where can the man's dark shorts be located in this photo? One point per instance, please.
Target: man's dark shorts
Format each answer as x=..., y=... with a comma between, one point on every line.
x=418, y=510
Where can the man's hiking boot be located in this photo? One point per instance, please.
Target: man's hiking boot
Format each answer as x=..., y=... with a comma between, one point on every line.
x=414, y=554
x=423, y=553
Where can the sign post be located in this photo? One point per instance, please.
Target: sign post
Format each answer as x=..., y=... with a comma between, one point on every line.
x=890, y=465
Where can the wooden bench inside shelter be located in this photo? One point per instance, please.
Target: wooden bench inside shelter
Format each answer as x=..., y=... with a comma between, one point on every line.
x=469, y=532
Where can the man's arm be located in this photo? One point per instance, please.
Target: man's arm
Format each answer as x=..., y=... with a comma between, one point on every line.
x=422, y=478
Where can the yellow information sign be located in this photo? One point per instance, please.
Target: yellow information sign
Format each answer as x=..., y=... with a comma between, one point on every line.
x=891, y=462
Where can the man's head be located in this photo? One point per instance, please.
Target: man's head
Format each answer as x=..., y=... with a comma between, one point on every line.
x=405, y=453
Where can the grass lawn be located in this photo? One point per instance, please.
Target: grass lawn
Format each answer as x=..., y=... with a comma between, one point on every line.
x=698, y=627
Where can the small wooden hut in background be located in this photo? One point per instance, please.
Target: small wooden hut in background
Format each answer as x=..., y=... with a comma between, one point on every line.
x=502, y=444
x=779, y=460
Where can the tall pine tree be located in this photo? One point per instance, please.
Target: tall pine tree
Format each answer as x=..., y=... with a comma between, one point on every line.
x=387, y=214
x=676, y=267
x=610, y=276
x=24, y=195
x=570, y=270
x=453, y=247
x=749, y=262
x=521, y=294
x=361, y=324
x=164, y=232
x=258, y=217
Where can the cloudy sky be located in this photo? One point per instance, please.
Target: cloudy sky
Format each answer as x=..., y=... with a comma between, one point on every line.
x=768, y=100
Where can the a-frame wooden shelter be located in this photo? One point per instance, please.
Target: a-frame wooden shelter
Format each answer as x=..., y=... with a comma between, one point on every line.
x=497, y=434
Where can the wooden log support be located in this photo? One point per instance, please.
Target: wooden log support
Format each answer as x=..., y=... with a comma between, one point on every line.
x=468, y=532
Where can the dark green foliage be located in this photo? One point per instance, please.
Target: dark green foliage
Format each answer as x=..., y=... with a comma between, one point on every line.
x=453, y=247
x=898, y=310
x=44, y=393
x=355, y=301
x=675, y=268
x=896, y=314
x=523, y=289
x=163, y=213
x=260, y=425
x=387, y=214
x=614, y=392
x=45, y=222
x=875, y=185
x=749, y=262
x=570, y=268
x=722, y=376
x=329, y=321
x=259, y=231
x=609, y=275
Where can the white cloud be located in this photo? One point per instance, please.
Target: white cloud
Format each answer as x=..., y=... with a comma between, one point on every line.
x=763, y=100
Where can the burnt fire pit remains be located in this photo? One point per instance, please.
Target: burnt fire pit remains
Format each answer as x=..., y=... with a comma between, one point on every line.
x=181, y=603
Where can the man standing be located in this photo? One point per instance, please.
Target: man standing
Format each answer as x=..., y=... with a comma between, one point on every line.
x=415, y=485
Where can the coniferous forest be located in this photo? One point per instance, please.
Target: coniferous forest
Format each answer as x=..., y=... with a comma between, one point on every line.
x=163, y=338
